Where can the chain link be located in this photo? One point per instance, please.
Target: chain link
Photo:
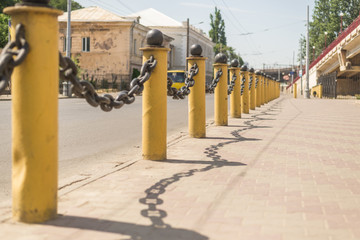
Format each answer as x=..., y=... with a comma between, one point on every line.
x=250, y=82
x=243, y=80
x=107, y=102
x=7, y=60
x=232, y=84
x=185, y=90
x=256, y=82
x=215, y=81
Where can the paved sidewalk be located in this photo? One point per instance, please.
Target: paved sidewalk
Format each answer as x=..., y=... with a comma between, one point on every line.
x=289, y=170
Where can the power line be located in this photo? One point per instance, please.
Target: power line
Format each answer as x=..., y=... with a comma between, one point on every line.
x=109, y=6
x=128, y=8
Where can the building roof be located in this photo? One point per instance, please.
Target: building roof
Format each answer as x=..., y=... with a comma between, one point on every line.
x=151, y=17
x=94, y=14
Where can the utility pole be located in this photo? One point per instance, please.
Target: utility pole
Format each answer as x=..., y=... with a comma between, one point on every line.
x=68, y=33
x=307, y=92
x=292, y=73
x=301, y=70
x=187, y=43
x=66, y=85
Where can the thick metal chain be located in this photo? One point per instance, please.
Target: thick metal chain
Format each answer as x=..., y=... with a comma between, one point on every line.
x=7, y=60
x=243, y=80
x=256, y=82
x=107, y=102
x=215, y=81
x=232, y=84
x=185, y=90
x=250, y=83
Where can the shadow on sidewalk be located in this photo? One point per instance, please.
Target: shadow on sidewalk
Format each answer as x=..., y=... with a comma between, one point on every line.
x=135, y=231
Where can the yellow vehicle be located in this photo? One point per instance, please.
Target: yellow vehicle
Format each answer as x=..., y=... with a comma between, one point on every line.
x=177, y=77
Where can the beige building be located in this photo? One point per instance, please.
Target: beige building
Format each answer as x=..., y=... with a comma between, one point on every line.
x=105, y=44
x=178, y=30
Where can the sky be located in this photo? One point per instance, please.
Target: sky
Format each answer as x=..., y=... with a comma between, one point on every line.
x=261, y=31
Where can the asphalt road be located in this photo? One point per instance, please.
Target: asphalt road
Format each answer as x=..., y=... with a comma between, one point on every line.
x=90, y=139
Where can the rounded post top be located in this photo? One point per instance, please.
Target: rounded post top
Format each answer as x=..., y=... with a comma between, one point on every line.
x=258, y=72
x=196, y=50
x=220, y=58
x=244, y=67
x=154, y=37
x=234, y=63
x=252, y=70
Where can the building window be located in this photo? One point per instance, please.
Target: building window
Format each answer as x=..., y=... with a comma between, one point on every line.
x=135, y=47
x=65, y=44
x=86, y=44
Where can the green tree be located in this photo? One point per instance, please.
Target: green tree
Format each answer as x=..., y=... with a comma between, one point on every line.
x=217, y=31
x=59, y=4
x=4, y=20
x=217, y=35
x=62, y=5
x=326, y=18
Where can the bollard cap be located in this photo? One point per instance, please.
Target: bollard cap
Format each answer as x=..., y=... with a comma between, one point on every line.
x=36, y=2
x=220, y=58
x=244, y=67
x=262, y=73
x=258, y=72
x=196, y=50
x=154, y=37
x=252, y=70
x=234, y=63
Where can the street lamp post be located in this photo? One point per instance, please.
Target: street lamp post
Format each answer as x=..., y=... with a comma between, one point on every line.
x=313, y=53
x=341, y=21
x=325, y=38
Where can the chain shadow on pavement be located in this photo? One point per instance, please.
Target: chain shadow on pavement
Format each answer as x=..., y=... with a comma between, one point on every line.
x=159, y=230
x=153, y=193
x=134, y=231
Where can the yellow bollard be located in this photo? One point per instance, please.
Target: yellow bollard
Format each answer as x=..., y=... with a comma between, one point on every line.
x=257, y=88
x=235, y=96
x=221, y=96
x=320, y=90
x=262, y=88
x=35, y=85
x=197, y=118
x=245, y=90
x=252, y=103
x=155, y=100
x=295, y=90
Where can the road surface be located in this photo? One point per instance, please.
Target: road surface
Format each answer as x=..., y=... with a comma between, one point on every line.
x=90, y=139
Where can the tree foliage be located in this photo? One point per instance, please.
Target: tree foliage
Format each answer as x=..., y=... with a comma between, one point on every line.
x=62, y=5
x=217, y=35
x=59, y=4
x=326, y=18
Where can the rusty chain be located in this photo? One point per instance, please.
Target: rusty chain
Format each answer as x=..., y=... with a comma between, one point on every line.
x=215, y=81
x=243, y=80
x=232, y=84
x=7, y=60
x=107, y=102
x=184, y=90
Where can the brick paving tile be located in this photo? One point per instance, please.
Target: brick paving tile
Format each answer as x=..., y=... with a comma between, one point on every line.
x=289, y=170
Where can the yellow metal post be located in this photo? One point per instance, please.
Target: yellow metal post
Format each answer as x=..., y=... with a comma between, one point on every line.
x=320, y=90
x=155, y=100
x=257, y=88
x=245, y=88
x=295, y=90
x=221, y=96
x=197, y=118
x=235, y=96
x=263, y=89
x=35, y=85
x=252, y=103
